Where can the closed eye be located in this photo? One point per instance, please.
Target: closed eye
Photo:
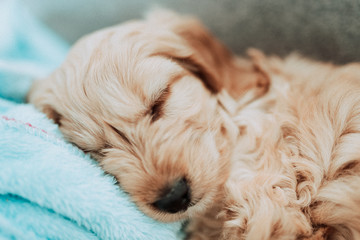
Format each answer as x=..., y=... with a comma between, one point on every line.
x=121, y=134
x=156, y=110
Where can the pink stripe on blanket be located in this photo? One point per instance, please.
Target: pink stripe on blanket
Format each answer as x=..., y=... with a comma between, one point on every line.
x=26, y=123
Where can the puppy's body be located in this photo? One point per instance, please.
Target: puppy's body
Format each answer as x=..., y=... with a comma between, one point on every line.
x=150, y=101
x=296, y=171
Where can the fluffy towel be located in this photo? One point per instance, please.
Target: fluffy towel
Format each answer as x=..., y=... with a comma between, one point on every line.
x=49, y=189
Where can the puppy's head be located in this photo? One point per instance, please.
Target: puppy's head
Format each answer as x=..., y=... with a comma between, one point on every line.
x=143, y=99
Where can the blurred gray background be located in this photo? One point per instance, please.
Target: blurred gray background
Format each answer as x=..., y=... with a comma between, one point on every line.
x=323, y=29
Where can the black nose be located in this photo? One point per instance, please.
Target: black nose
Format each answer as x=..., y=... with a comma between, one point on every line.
x=176, y=198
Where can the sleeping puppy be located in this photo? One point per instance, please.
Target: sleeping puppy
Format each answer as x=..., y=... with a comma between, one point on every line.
x=148, y=100
x=259, y=148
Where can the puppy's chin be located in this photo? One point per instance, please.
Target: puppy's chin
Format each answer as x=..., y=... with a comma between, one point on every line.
x=203, y=193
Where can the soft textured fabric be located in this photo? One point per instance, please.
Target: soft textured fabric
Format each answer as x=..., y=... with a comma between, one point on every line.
x=49, y=189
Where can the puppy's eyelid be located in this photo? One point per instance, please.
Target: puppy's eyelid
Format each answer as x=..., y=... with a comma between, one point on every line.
x=157, y=108
x=155, y=111
x=121, y=134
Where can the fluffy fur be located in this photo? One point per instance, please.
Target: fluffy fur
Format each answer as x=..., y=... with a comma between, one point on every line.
x=296, y=170
x=267, y=145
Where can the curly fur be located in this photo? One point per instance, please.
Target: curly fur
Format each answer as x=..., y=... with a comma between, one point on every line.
x=296, y=169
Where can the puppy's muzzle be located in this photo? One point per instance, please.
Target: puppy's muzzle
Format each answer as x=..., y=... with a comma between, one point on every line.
x=176, y=198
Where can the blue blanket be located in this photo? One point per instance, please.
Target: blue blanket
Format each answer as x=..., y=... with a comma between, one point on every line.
x=49, y=189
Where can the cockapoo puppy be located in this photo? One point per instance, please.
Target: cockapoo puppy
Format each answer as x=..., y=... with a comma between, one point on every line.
x=258, y=148
x=145, y=99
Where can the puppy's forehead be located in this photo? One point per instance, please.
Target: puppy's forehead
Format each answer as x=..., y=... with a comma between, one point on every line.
x=128, y=79
x=145, y=78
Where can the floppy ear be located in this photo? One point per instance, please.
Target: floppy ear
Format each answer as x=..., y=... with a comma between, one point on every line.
x=197, y=50
x=194, y=48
